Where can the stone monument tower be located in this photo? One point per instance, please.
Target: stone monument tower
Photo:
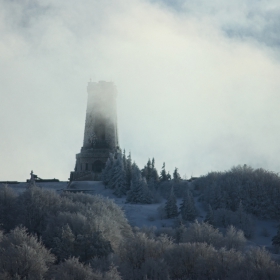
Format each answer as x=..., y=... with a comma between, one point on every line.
x=101, y=133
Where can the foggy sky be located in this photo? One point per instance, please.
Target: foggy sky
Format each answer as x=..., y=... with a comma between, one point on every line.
x=198, y=82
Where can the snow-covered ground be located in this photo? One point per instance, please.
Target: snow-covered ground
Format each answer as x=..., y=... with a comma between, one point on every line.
x=55, y=186
x=137, y=214
x=147, y=215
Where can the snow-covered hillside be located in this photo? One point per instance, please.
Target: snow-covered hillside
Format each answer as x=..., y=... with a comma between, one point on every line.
x=147, y=215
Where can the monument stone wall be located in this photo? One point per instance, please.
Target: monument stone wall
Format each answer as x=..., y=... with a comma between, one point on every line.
x=100, y=134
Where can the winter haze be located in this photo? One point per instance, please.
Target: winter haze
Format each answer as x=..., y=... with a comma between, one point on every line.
x=198, y=84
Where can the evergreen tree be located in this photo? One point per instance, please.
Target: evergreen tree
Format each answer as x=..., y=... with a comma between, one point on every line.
x=88, y=246
x=244, y=221
x=171, y=208
x=8, y=207
x=176, y=176
x=146, y=194
x=179, y=232
x=216, y=197
x=64, y=243
x=124, y=161
x=128, y=171
x=107, y=171
x=118, y=177
x=187, y=208
x=168, y=176
x=209, y=218
x=276, y=239
x=150, y=173
x=144, y=171
x=154, y=173
x=163, y=176
x=133, y=196
x=147, y=170
x=240, y=213
x=115, y=170
x=139, y=192
x=152, y=184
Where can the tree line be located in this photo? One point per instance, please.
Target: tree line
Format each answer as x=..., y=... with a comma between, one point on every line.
x=139, y=185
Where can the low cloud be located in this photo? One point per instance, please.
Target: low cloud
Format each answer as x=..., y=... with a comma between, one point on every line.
x=242, y=20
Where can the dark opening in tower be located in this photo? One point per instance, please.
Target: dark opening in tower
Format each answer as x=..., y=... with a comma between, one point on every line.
x=97, y=166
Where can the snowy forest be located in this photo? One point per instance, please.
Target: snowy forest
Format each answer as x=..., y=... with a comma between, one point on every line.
x=68, y=235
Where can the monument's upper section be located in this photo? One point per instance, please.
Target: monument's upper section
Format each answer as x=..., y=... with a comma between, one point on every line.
x=101, y=116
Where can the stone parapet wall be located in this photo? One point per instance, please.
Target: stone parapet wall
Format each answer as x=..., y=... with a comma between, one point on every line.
x=85, y=176
x=96, y=153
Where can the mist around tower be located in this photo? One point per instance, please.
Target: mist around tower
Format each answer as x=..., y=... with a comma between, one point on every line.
x=115, y=219
x=100, y=134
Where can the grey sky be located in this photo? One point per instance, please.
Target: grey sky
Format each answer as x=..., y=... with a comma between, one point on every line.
x=249, y=19
x=198, y=83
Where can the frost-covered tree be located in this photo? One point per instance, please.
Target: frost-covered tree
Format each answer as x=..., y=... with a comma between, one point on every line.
x=239, y=219
x=147, y=195
x=128, y=171
x=257, y=188
x=147, y=170
x=216, y=198
x=112, y=274
x=259, y=264
x=114, y=174
x=107, y=171
x=244, y=221
x=119, y=177
x=150, y=172
x=62, y=231
x=202, y=261
x=187, y=208
x=152, y=185
x=22, y=256
x=171, y=208
x=276, y=239
x=36, y=205
x=203, y=232
x=8, y=207
x=176, y=176
x=168, y=176
x=124, y=159
x=163, y=175
x=139, y=191
x=154, y=173
x=191, y=261
x=209, y=218
x=64, y=242
x=133, y=196
x=72, y=269
x=141, y=257
x=90, y=245
x=96, y=224
x=234, y=238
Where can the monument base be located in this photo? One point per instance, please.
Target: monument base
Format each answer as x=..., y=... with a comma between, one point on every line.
x=85, y=176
